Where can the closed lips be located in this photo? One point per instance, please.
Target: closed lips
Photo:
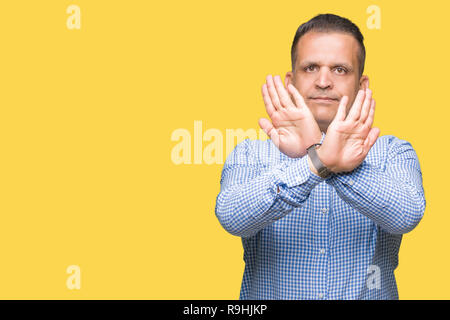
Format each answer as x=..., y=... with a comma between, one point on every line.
x=324, y=98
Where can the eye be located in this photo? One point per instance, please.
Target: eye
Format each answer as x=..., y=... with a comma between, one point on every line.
x=340, y=70
x=310, y=68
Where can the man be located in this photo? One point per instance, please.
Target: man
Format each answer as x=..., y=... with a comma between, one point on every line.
x=322, y=205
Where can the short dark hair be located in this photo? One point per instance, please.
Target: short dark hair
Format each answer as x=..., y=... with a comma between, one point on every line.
x=329, y=23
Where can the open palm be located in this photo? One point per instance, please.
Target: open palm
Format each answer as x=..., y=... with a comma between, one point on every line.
x=349, y=139
x=292, y=127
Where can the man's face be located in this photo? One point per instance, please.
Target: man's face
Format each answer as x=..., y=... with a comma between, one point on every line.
x=327, y=69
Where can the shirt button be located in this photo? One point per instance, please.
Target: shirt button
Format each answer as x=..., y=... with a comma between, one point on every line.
x=350, y=182
x=324, y=210
x=320, y=295
x=322, y=251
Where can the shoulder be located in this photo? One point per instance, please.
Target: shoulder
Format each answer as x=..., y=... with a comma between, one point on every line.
x=393, y=144
x=389, y=143
x=386, y=140
x=389, y=147
x=255, y=152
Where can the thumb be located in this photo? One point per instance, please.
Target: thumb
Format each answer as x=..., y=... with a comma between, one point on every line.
x=270, y=130
x=341, y=113
x=371, y=138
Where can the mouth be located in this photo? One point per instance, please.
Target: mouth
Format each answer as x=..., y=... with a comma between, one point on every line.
x=325, y=100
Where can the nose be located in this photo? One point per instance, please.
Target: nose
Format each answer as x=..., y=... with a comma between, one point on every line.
x=323, y=80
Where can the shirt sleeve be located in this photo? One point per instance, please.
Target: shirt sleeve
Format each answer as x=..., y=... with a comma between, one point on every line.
x=252, y=197
x=394, y=198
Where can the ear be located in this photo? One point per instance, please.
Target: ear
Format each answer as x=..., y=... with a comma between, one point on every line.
x=289, y=79
x=364, y=82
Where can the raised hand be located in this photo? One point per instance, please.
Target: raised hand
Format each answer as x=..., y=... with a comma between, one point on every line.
x=349, y=139
x=292, y=127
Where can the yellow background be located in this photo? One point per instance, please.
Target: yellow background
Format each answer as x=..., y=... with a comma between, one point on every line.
x=86, y=176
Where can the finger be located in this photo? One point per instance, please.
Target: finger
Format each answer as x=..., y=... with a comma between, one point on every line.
x=299, y=101
x=282, y=93
x=286, y=85
x=342, y=109
x=266, y=125
x=371, y=139
x=270, y=130
x=366, y=106
x=267, y=101
x=273, y=92
x=369, y=120
x=356, y=107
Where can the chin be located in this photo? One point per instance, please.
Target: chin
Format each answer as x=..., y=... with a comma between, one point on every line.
x=325, y=116
x=324, y=121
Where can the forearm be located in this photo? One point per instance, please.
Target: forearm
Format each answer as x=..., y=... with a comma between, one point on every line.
x=396, y=204
x=246, y=208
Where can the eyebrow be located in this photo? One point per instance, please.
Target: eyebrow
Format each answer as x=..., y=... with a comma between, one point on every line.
x=339, y=64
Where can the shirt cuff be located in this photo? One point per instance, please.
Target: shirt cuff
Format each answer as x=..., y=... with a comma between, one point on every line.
x=295, y=181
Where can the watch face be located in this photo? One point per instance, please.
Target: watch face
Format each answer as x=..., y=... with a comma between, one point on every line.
x=314, y=146
x=324, y=173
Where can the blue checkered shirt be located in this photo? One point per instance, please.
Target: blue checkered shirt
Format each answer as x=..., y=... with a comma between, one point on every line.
x=333, y=238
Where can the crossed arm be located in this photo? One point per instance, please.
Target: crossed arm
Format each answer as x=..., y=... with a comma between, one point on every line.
x=250, y=199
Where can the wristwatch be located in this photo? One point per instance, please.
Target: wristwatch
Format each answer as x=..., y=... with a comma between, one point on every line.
x=323, y=171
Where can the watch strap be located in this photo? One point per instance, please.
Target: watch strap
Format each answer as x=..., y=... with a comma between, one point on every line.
x=323, y=171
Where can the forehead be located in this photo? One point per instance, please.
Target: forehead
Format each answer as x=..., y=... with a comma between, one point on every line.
x=328, y=48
